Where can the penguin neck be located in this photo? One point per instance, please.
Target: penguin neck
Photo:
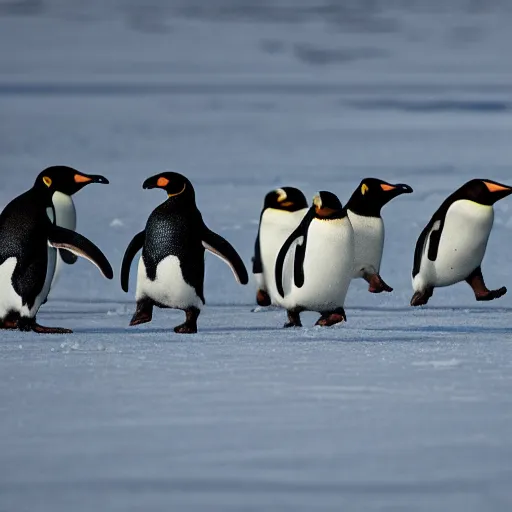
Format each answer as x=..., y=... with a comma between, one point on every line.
x=358, y=205
x=174, y=203
x=42, y=193
x=330, y=214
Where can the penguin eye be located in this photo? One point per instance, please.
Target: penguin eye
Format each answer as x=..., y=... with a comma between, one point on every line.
x=47, y=181
x=364, y=188
x=162, y=182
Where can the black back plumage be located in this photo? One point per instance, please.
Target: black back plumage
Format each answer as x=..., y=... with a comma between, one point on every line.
x=175, y=229
x=24, y=227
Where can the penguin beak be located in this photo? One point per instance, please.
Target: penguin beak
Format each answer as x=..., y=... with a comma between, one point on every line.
x=399, y=188
x=155, y=182
x=85, y=179
x=498, y=191
x=404, y=189
x=149, y=184
x=97, y=178
x=497, y=187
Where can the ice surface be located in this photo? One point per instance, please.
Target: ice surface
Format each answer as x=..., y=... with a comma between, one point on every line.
x=399, y=409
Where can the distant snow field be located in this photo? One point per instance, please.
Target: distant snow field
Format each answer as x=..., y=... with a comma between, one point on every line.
x=400, y=409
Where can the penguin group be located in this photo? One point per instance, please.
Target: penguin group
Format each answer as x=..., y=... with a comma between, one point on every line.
x=305, y=255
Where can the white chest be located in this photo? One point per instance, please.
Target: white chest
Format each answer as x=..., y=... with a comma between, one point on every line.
x=65, y=216
x=368, y=243
x=275, y=228
x=462, y=244
x=9, y=299
x=169, y=288
x=65, y=212
x=328, y=267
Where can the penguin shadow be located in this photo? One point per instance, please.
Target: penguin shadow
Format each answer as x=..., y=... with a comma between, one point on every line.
x=434, y=309
x=453, y=329
x=130, y=331
x=85, y=302
x=220, y=330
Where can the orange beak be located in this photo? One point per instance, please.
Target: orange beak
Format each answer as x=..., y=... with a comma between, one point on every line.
x=494, y=187
x=79, y=178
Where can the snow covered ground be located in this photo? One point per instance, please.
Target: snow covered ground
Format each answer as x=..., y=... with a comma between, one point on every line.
x=399, y=409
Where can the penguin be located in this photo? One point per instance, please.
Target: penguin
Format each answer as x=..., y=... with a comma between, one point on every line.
x=173, y=243
x=283, y=209
x=314, y=266
x=63, y=213
x=364, y=211
x=451, y=247
x=27, y=229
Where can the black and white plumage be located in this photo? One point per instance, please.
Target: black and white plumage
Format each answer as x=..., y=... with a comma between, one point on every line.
x=26, y=264
x=364, y=211
x=65, y=184
x=315, y=265
x=283, y=210
x=171, y=268
x=451, y=247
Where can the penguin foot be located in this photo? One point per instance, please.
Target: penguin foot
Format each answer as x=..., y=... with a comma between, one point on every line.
x=9, y=325
x=491, y=294
x=482, y=293
x=190, y=325
x=185, y=329
x=377, y=284
x=10, y=322
x=30, y=324
x=143, y=314
x=421, y=298
x=263, y=298
x=50, y=330
x=332, y=318
x=293, y=319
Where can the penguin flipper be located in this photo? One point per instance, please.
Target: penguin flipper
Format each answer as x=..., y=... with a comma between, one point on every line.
x=431, y=235
x=68, y=257
x=225, y=251
x=418, y=251
x=257, y=266
x=133, y=248
x=298, y=264
x=435, y=238
x=62, y=238
x=301, y=230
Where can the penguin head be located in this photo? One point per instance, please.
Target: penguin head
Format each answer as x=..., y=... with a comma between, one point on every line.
x=289, y=199
x=372, y=194
x=328, y=206
x=60, y=178
x=483, y=191
x=175, y=184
